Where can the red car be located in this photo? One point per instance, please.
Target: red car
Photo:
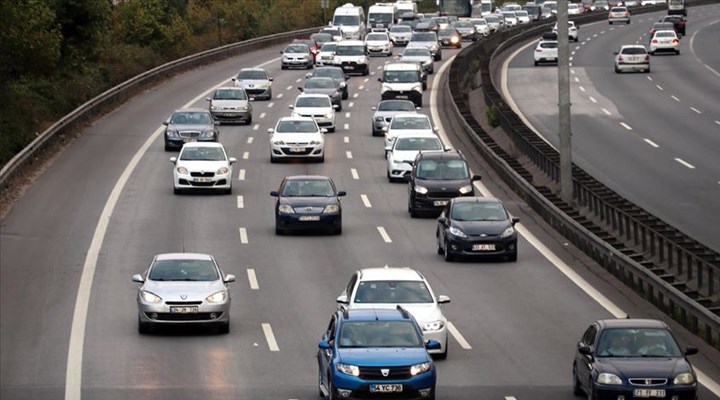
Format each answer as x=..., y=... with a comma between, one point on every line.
x=312, y=44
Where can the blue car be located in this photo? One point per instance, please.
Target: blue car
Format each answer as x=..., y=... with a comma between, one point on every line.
x=375, y=353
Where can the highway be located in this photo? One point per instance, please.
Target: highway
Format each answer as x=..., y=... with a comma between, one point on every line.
x=654, y=138
x=68, y=324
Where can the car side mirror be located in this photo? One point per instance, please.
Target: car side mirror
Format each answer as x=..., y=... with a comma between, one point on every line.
x=274, y=194
x=270, y=79
x=308, y=75
x=432, y=344
x=234, y=79
x=300, y=88
x=138, y=278
x=690, y=350
x=271, y=130
x=290, y=106
x=585, y=350
x=335, y=107
x=232, y=160
x=229, y=278
x=442, y=299
x=173, y=160
x=341, y=193
x=166, y=123
x=342, y=299
x=442, y=220
x=476, y=177
x=515, y=220
x=379, y=79
x=373, y=108
x=208, y=99
x=324, y=345
x=323, y=130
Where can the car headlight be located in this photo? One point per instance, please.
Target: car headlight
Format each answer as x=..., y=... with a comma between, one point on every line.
x=466, y=189
x=433, y=326
x=454, y=39
x=171, y=133
x=397, y=161
x=295, y=114
x=331, y=209
x=421, y=189
x=418, y=369
x=213, y=108
x=362, y=60
x=417, y=88
x=609, y=379
x=348, y=369
x=329, y=115
x=150, y=297
x=684, y=379
x=385, y=88
x=379, y=119
x=315, y=142
x=457, y=232
x=218, y=297
x=286, y=209
x=337, y=60
x=508, y=232
x=181, y=170
x=243, y=108
x=208, y=133
x=222, y=171
x=434, y=47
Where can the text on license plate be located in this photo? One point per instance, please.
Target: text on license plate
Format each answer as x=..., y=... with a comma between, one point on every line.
x=386, y=388
x=297, y=149
x=183, y=310
x=440, y=203
x=483, y=247
x=203, y=179
x=310, y=218
x=649, y=393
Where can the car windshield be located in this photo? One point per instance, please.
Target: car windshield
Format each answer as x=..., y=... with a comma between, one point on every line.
x=508, y=14
x=313, y=102
x=479, y=22
x=307, y=42
x=478, y=211
x=410, y=123
x=254, y=75
x=380, y=18
x=521, y=13
x=341, y=20
x=464, y=25
x=645, y=342
x=377, y=36
x=424, y=37
x=296, y=126
x=319, y=84
x=202, y=154
x=336, y=73
x=441, y=20
x=442, y=170
x=194, y=118
x=618, y=9
x=328, y=47
x=321, y=37
x=344, y=50
x=416, y=51
x=296, y=49
x=308, y=188
x=633, y=50
x=396, y=105
x=417, y=144
x=379, y=334
x=392, y=292
x=400, y=29
x=400, y=76
x=183, y=270
x=447, y=32
x=230, y=94
x=491, y=18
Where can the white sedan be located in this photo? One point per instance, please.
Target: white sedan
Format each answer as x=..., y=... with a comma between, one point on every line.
x=202, y=165
x=378, y=43
x=401, y=123
x=665, y=40
x=297, y=137
x=401, y=157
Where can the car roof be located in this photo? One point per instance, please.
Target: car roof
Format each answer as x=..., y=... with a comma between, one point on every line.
x=203, y=144
x=352, y=43
x=312, y=95
x=307, y=177
x=374, y=314
x=445, y=155
x=409, y=115
x=296, y=118
x=631, y=323
x=252, y=69
x=399, y=66
x=183, y=256
x=476, y=199
x=629, y=46
x=390, y=274
x=192, y=109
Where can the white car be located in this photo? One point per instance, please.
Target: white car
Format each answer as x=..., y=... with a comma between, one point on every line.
x=378, y=43
x=481, y=25
x=297, y=137
x=400, y=35
x=523, y=17
x=256, y=82
x=664, y=40
x=649, y=2
x=573, y=33
x=316, y=106
x=494, y=23
x=351, y=56
x=402, y=123
x=390, y=287
x=546, y=51
x=202, y=165
x=632, y=57
x=619, y=14
x=574, y=9
x=404, y=149
x=326, y=55
x=510, y=18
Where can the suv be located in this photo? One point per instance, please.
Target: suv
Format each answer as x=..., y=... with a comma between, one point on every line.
x=351, y=56
x=383, y=288
x=256, y=82
x=368, y=353
x=403, y=81
x=435, y=179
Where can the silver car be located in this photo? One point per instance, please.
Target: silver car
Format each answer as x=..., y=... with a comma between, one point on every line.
x=190, y=125
x=400, y=35
x=421, y=56
x=385, y=110
x=231, y=104
x=428, y=40
x=183, y=288
x=256, y=82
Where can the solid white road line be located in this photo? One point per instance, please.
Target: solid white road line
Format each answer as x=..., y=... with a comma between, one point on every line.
x=365, y=200
x=252, y=278
x=346, y=127
x=675, y=98
x=606, y=111
x=696, y=110
x=249, y=139
x=243, y=236
x=262, y=115
x=626, y=126
x=256, y=127
x=384, y=234
x=246, y=155
x=241, y=175
x=651, y=143
x=349, y=154
x=456, y=334
x=685, y=163
x=354, y=173
x=346, y=139
x=240, y=202
x=270, y=337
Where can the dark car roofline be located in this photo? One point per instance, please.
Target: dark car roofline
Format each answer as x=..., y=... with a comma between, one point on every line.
x=632, y=323
x=298, y=177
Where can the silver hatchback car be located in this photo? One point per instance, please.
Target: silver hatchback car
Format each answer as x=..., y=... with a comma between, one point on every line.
x=181, y=288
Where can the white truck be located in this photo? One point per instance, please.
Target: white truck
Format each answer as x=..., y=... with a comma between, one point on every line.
x=351, y=21
x=381, y=16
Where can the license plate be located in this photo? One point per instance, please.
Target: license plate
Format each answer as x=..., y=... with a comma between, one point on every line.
x=401, y=96
x=310, y=218
x=649, y=393
x=202, y=179
x=440, y=203
x=483, y=247
x=184, y=310
x=186, y=140
x=297, y=149
x=349, y=67
x=386, y=388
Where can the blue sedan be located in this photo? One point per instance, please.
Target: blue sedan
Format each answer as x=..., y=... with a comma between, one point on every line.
x=308, y=202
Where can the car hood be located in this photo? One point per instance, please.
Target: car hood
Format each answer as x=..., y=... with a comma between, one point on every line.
x=173, y=291
x=422, y=44
x=423, y=313
x=376, y=43
x=409, y=155
x=478, y=228
x=422, y=59
x=230, y=103
x=299, y=202
x=383, y=356
x=463, y=30
x=202, y=166
x=191, y=127
x=390, y=114
x=327, y=91
x=654, y=367
x=313, y=110
x=295, y=137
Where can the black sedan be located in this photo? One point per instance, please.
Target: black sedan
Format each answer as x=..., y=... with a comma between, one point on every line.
x=632, y=358
x=336, y=73
x=450, y=37
x=476, y=226
x=308, y=202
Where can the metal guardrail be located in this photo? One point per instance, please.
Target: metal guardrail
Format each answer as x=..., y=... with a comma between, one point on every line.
x=654, y=238
x=120, y=93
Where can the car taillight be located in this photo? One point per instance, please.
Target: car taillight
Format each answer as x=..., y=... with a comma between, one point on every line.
x=620, y=58
x=647, y=57
x=675, y=40
x=682, y=24
x=654, y=40
x=538, y=50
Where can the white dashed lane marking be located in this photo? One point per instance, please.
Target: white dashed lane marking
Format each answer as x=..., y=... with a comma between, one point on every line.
x=626, y=126
x=456, y=334
x=278, y=96
x=298, y=80
x=361, y=87
x=606, y=111
x=240, y=202
x=651, y=143
x=270, y=337
x=290, y=87
x=346, y=127
x=674, y=98
x=252, y=279
x=350, y=104
x=243, y=236
x=246, y=155
x=256, y=127
x=384, y=234
x=241, y=175
x=366, y=79
x=696, y=110
x=354, y=173
x=271, y=104
x=262, y=115
x=717, y=122
x=346, y=139
x=366, y=200
x=355, y=96
x=659, y=88
x=249, y=140
x=347, y=114
x=349, y=154
x=593, y=99
x=582, y=89
x=685, y=163
x=650, y=78
x=577, y=79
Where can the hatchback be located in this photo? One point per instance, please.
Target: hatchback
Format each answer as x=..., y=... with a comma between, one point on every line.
x=231, y=104
x=297, y=55
x=664, y=41
x=404, y=149
x=202, y=166
x=297, y=137
x=256, y=82
x=385, y=110
x=619, y=14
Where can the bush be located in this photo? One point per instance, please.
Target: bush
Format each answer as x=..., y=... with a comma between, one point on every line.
x=491, y=113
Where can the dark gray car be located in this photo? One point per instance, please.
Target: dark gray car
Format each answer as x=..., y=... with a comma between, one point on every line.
x=326, y=86
x=190, y=125
x=385, y=110
x=336, y=73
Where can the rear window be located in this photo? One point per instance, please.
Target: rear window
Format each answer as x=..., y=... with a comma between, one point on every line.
x=549, y=45
x=618, y=9
x=634, y=50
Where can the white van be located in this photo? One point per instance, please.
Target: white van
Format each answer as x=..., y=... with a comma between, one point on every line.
x=404, y=6
x=351, y=20
x=381, y=16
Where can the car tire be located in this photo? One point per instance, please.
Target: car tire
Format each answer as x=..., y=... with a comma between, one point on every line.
x=617, y=70
x=648, y=70
x=337, y=231
x=677, y=52
x=609, y=22
x=177, y=190
x=143, y=327
x=249, y=121
x=331, y=391
x=577, y=39
x=577, y=390
x=322, y=158
x=345, y=95
x=273, y=160
x=449, y=256
x=167, y=147
x=331, y=129
x=223, y=328
x=590, y=393
x=283, y=67
x=627, y=23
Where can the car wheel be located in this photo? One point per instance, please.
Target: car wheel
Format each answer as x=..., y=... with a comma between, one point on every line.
x=627, y=23
x=413, y=212
x=677, y=52
x=269, y=96
x=609, y=22
x=577, y=39
x=617, y=70
x=339, y=107
x=273, y=160
x=648, y=70
x=338, y=231
x=176, y=190
x=224, y=328
x=143, y=327
x=577, y=390
x=331, y=129
x=590, y=392
x=419, y=103
x=331, y=391
x=322, y=158
x=424, y=86
x=167, y=147
x=345, y=95
x=512, y=257
x=449, y=256
x=367, y=71
x=283, y=67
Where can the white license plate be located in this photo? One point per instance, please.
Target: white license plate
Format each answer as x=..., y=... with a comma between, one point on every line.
x=386, y=388
x=349, y=67
x=184, y=310
x=401, y=96
x=203, y=179
x=186, y=140
x=440, y=203
x=297, y=149
x=310, y=218
x=483, y=247
x=649, y=393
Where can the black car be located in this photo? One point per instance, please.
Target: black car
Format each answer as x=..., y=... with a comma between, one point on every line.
x=326, y=86
x=450, y=37
x=308, y=202
x=678, y=21
x=435, y=179
x=336, y=73
x=190, y=125
x=476, y=226
x=632, y=358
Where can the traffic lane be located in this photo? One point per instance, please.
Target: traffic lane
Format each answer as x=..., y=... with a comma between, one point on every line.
x=702, y=41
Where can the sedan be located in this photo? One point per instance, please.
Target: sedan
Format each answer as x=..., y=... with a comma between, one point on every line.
x=190, y=125
x=632, y=57
x=385, y=110
x=202, y=166
x=476, y=226
x=664, y=41
x=467, y=30
x=256, y=82
x=326, y=56
x=421, y=56
x=450, y=37
x=183, y=288
x=297, y=137
x=297, y=55
x=324, y=85
x=316, y=106
x=379, y=43
x=405, y=147
x=231, y=104
x=631, y=359
x=336, y=73
x=308, y=202
x=400, y=35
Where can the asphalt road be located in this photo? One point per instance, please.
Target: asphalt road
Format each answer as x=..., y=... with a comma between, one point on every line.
x=517, y=323
x=654, y=138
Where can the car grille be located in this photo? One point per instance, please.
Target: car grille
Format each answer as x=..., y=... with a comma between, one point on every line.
x=202, y=174
x=184, y=317
x=393, y=373
x=309, y=210
x=208, y=184
x=648, y=381
x=444, y=194
x=304, y=152
x=254, y=91
x=189, y=134
x=183, y=303
x=349, y=63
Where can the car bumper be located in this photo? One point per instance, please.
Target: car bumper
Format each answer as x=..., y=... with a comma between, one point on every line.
x=465, y=246
x=398, y=170
x=297, y=64
x=229, y=115
x=359, y=388
x=297, y=152
x=183, y=181
x=663, y=47
x=379, y=52
x=179, y=142
x=206, y=313
x=400, y=41
x=619, y=19
x=350, y=67
x=546, y=59
x=433, y=204
x=609, y=392
x=441, y=336
x=322, y=222
x=633, y=67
